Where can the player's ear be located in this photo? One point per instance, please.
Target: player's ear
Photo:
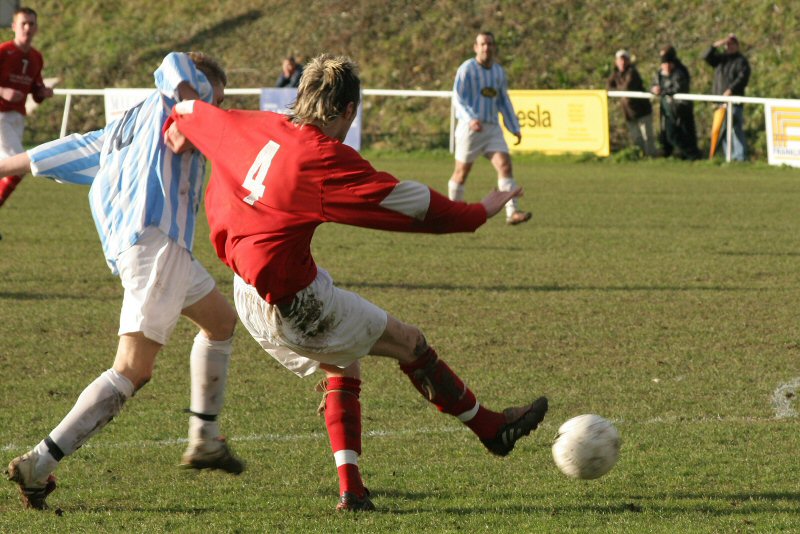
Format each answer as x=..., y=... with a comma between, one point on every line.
x=350, y=111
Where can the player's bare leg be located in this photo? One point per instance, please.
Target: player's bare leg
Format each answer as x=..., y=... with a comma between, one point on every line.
x=342, y=410
x=505, y=182
x=456, y=184
x=96, y=406
x=498, y=431
x=209, y=362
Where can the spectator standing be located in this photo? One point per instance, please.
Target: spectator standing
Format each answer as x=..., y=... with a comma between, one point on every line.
x=290, y=73
x=480, y=92
x=20, y=74
x=731, y=75
x=678, y=133
x=638, y=111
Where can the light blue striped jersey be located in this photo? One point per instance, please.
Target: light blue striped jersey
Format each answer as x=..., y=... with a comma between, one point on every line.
x=135, y=180
x=481, y=93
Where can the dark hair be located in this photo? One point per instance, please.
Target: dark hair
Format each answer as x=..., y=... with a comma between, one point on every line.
x=487, y=33
x=26, y=11
x=668, y=54
x=208, y=66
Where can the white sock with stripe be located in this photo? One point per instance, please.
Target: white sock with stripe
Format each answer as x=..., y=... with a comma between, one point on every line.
x=508, y=184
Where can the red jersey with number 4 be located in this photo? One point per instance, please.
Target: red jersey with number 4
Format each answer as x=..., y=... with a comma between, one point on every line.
x=21, y=71
x=273, y=182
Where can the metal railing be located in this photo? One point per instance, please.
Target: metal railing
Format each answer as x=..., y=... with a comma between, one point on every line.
x=705, y=98
x=69, y=93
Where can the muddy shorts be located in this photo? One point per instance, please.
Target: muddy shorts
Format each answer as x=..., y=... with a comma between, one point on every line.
x=324, y=324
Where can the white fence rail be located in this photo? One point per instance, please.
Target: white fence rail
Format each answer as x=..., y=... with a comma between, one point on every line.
x=69, y=93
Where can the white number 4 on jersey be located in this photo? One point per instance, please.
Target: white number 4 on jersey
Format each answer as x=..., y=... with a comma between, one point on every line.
x=254, y=182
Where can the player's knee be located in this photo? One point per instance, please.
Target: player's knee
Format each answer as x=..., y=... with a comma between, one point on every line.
x=223, y=328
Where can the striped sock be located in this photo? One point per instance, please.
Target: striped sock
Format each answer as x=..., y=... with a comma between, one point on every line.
x=343, y=420
x=443, y=388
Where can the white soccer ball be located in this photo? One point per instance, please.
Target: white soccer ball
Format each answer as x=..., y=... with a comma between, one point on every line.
x=587, y=446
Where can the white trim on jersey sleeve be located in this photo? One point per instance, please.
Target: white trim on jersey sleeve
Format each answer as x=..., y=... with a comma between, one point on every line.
x=185, y=107
x=409, y=198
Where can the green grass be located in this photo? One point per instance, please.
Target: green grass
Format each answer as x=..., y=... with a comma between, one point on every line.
x=662, y=295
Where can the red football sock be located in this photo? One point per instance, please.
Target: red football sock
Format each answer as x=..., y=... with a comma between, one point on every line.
x=7, y=186
x=343, y=420
x=442, y=387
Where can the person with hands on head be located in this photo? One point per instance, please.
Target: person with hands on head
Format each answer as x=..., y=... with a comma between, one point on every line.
x=731, y=76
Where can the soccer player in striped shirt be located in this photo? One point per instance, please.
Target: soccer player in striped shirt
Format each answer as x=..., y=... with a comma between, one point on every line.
x=480, y=92
x=144, y=201
x=275, y=179
x=20, y=75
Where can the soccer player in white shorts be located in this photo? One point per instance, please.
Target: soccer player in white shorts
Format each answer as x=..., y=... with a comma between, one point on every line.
x=275, y=179
x=144, y=201
x=480, y=92
x=20, y=74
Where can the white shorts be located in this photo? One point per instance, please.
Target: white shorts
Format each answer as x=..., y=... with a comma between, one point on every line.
x=160, y=279
x=324, y=324
x=12, y=126
x=470, y=144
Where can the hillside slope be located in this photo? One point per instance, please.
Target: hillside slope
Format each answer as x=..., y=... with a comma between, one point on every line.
x=405, y=44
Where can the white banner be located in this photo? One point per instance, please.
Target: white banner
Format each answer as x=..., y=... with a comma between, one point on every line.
x=783, y=132
x=118, y=101
x=279, y=99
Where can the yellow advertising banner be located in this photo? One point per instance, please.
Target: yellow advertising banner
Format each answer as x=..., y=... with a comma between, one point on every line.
x=783, y=132
x=558, y=122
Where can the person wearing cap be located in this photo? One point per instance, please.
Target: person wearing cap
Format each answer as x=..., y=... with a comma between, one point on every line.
x=638, y=111
x=678, y=133
x=731, y=74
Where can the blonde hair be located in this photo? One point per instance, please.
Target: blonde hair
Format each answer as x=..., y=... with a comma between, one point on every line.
x=208, y=66
x=328, y=84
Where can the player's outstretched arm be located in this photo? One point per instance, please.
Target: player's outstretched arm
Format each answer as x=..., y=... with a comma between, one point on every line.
x=17, y=165
x=496, y=200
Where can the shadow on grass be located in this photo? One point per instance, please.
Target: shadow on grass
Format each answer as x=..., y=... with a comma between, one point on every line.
x=56, y=296
x=199, y=40
x=714, y=505
x=757, y=254
x=539, y=289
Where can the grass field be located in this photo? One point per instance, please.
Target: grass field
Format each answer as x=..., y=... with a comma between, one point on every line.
x=662, y=295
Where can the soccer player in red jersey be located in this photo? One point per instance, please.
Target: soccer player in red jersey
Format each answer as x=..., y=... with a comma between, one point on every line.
x=20, y=75
x=275, y=179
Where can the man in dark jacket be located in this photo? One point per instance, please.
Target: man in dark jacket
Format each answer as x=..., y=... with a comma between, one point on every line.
x=678, y=133
x=731, y=74
x=638, y=111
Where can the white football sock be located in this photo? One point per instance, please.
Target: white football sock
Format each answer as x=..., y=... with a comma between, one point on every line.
x=209, y=371
x=507, y=184
x=96, y=406
x=455, y=191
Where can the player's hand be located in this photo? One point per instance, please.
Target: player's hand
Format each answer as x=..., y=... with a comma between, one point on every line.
x=475, y=125
x=519, y=138
x=496, y=200
x=41, y=92
x=176, y=141
x=12, y=95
